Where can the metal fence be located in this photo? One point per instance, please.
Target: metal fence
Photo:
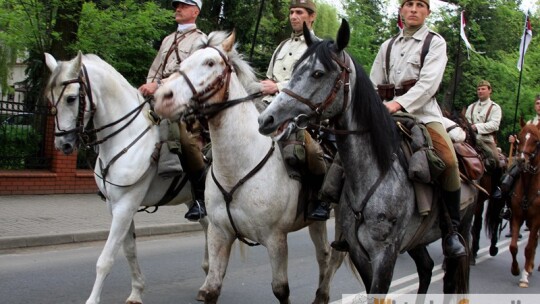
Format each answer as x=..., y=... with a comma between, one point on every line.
x=22, y=133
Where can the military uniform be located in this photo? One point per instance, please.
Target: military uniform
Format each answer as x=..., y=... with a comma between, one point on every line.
x=174, y=49
x=535, y=120
x=405, y=64
x=486, y=117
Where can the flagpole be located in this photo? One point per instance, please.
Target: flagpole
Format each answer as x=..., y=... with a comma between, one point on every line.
x=517, y=98
x=256, y=30
x=455, y=75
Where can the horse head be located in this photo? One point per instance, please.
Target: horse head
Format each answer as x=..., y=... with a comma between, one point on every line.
x=206, y=79
x=529, y=148
x=66, y=93
x=318, y=87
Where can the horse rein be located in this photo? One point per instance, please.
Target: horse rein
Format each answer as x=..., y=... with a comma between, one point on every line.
x=84, y=135
x=528, y=167
x=342, y=80
x=201, y=109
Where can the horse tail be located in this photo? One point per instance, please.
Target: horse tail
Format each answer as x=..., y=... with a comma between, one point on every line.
x=457, y=271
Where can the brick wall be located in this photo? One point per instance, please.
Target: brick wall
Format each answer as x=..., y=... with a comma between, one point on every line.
x=62, y=177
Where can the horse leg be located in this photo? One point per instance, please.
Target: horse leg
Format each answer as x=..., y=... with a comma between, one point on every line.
x=204, y=224
x=476, y=228
x=336, y=259
x=318, y=234
x=515, y=225
x=278, y=252
x=122, y=218
x=424, y=267
x=383, y=270
x=530, y=251
x=137, y=279
x=219, y=251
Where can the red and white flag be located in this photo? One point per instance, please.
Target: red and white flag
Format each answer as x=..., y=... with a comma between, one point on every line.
x=399, y=22
x=464, y=37
x=525, y=40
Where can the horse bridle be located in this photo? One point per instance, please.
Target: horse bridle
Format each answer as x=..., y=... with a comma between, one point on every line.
x=527, y=166
x=302, y=121
x=84, y=87
x=85, y=135
x=199, y=108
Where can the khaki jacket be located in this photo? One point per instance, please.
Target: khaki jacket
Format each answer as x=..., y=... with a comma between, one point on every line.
x=188, y=39
x=485, y=126
x=405, y=65
x=283, y=60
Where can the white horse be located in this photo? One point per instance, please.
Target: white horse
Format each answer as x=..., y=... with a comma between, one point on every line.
x=87, y=89
x=249, y=194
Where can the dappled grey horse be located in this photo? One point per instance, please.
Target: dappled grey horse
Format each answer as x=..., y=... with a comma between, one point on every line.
x=378, y=201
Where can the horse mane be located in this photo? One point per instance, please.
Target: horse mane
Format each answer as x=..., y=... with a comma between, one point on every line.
x=243, y=70
x=366, y=106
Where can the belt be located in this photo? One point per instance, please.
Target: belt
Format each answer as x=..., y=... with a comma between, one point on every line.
x=399, y=92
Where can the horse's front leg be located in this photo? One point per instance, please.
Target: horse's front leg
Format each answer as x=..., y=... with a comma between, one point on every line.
x=515, y=227
x=219, y=251
x=137, y=279
x=122, y=218
x=204, y=224
x=530, y=252
x=278, y=252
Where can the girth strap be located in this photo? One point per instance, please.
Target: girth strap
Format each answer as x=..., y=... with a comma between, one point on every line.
x=228, y=196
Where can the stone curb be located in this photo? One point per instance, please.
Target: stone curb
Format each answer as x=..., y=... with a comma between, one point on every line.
x=88, y=236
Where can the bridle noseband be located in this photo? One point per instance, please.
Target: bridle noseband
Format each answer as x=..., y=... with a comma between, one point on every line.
x=528, y=166
x=199, y=108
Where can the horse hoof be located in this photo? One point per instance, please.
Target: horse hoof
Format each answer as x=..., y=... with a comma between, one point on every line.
x=515, y=271
x=201, y=296
x=131, y=302
x=472, y=261
x=523, y=284
x=493, y=251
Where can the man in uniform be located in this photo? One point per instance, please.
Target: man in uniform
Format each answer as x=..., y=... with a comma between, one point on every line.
x=485, y=115
x=414, y=93
x=175, y=48
x=278, y=75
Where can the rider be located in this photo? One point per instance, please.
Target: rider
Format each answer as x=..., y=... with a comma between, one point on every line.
x=175, y=48
x=404, y=68
x=278, y=75
x=485, y=116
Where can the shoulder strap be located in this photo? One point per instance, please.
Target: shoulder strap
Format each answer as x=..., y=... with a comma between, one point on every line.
x=388, y=51
x=472, y=112
x=488, y=112
x=174, y=47
x=425, y=48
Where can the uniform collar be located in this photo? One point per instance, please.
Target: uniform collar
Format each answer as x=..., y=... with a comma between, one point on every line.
x=300, y=35
x=182, y=28
x=419, y=35
x=485, y=102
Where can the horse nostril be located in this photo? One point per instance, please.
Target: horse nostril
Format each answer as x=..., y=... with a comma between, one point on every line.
x=168, y=95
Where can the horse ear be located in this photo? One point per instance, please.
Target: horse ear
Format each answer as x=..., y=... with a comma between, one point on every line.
x=463, y=111
x=77, y=65
x=307, y=34
x=50, y=62
x=229, y=42
x=343, y=35
x=522, y=122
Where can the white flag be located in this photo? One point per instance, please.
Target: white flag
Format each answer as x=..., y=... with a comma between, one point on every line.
x=464, y=37
x=525, y=40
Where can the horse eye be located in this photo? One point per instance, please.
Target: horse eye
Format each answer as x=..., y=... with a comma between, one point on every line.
x=317, y=74
x=71, y=99
x=210, y=63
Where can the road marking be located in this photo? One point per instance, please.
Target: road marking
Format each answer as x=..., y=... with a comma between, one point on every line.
x=413, y=287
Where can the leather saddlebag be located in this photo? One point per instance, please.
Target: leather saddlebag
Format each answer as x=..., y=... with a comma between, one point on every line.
x=470, y=162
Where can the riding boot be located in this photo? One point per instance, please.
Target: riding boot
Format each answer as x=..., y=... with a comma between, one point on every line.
x=452, y=246
x=321, y=210
x=197, y=210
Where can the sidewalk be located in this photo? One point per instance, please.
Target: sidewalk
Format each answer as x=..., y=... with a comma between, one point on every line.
x=38, y=220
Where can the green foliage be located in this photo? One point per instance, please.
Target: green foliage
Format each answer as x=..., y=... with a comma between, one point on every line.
x=124, y=35
x=326, y=24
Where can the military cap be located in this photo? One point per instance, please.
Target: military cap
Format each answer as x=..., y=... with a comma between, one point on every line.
x=307, y=4
x=483, y=83
x=404, y=1
x=198, y=3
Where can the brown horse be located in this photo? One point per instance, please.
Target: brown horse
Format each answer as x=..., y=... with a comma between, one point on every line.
x=487, y=182
x=525, y=199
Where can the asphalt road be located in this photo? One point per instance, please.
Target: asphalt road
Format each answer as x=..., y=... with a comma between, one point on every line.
x=171, y=265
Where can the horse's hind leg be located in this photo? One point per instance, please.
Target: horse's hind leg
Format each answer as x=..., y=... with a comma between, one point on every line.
x=530, y=252
x=424, y=267
x=219, y=251
x=121, y=221
x=336, y=259
x=278, y=252
x=137, y=279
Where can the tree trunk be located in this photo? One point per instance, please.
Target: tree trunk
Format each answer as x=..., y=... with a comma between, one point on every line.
x=67, y=25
